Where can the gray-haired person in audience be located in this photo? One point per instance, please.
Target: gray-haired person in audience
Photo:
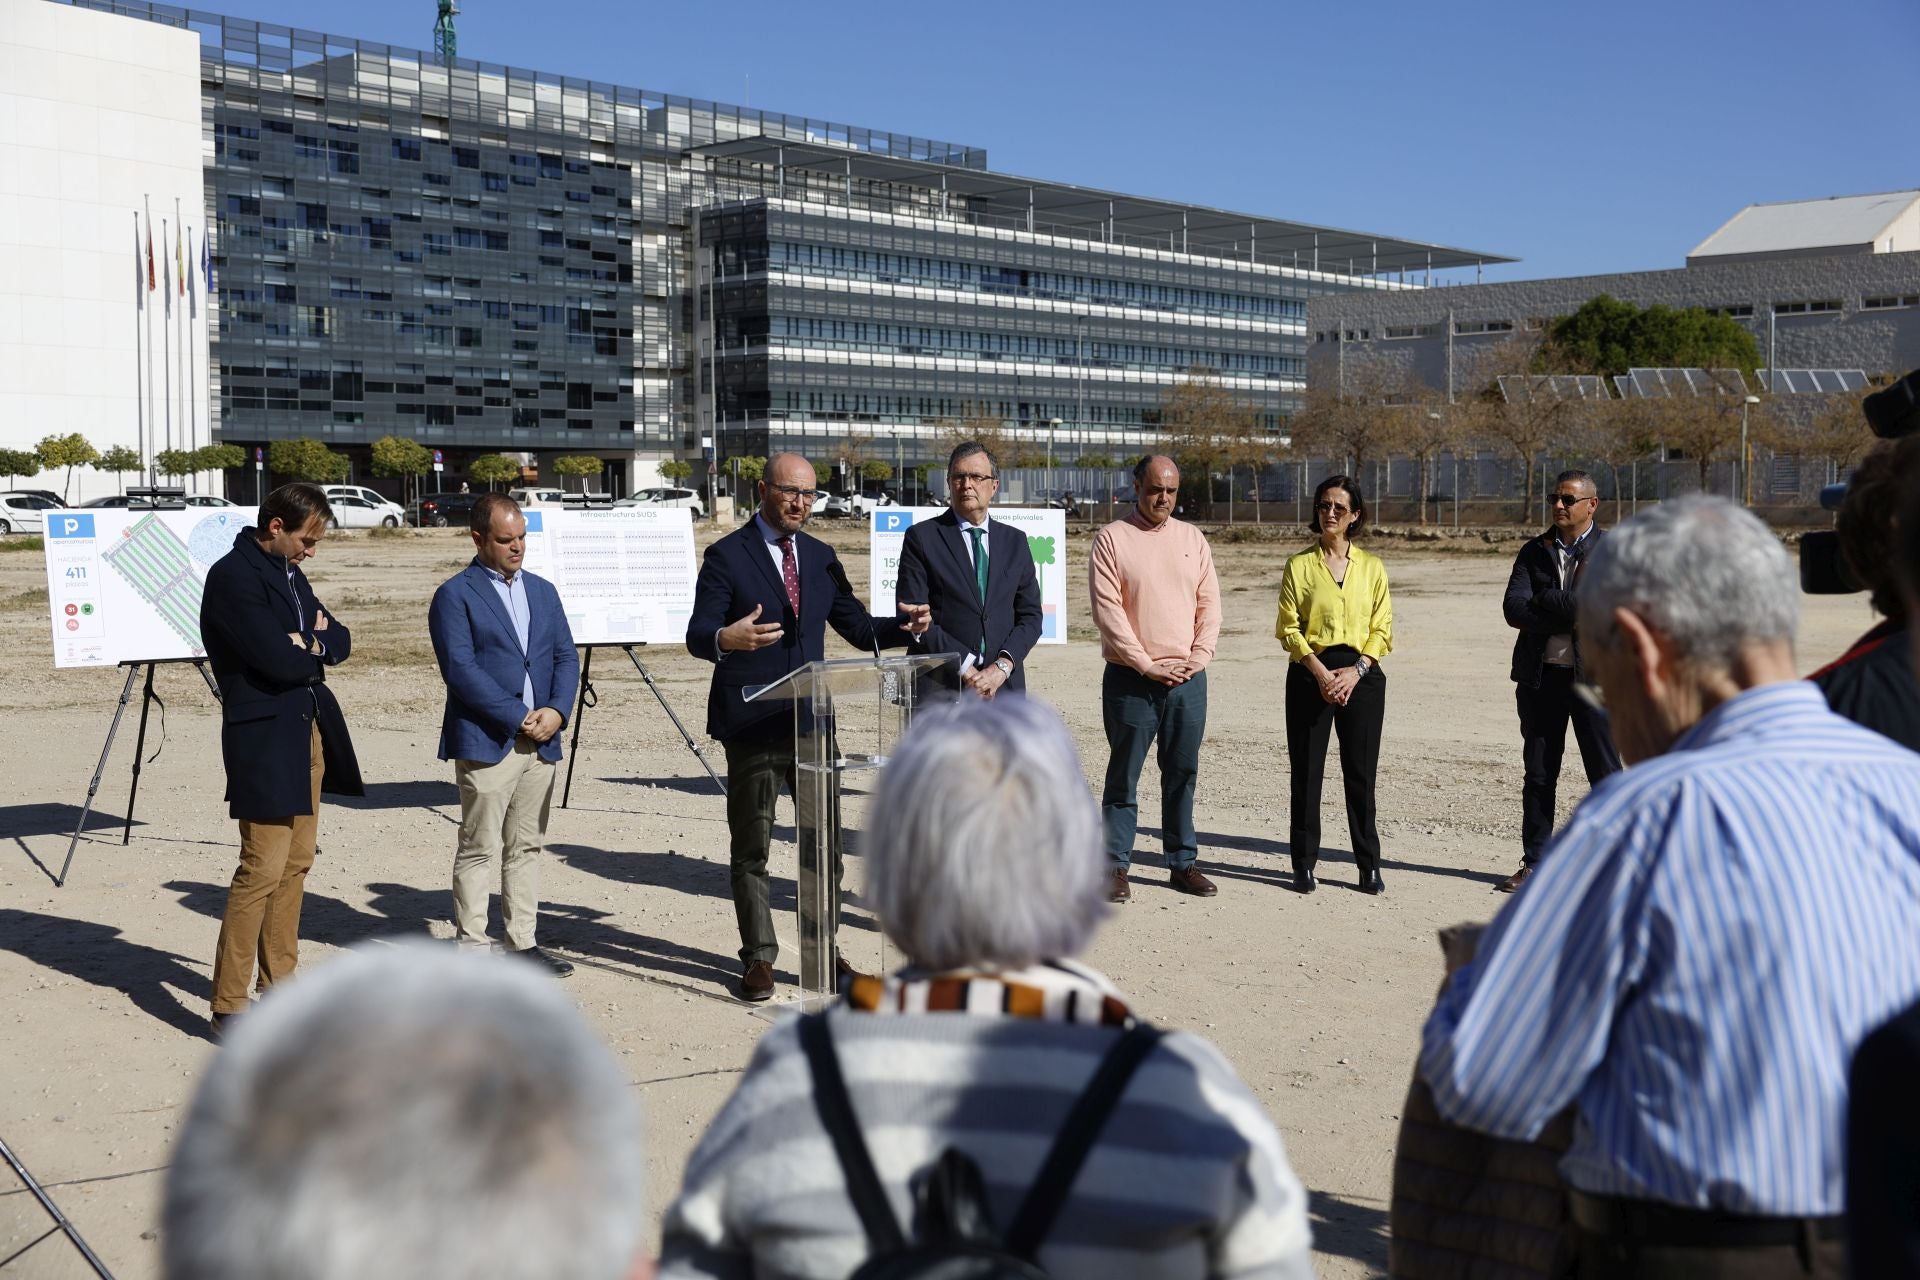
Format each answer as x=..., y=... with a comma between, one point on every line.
x=985, y=867
x=410, y=1112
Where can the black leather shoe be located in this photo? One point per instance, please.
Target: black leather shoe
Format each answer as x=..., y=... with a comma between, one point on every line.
x=1303, y=881
x=1370, y=882
x=756, y=984
x=552, y=963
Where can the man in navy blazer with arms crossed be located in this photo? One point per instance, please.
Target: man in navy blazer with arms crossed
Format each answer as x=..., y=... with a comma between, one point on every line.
x=282, y=737
x=761, y=607
x=507, y=655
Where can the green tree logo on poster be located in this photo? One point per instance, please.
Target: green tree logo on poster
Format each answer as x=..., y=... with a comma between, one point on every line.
x=1042, y=549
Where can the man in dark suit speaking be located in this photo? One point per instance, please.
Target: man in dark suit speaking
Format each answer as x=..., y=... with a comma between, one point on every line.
x=977, y=578
x=282, y=737
x=765, y=596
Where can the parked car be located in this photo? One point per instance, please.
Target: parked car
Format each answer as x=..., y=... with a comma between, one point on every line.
x=120, y=500
x=667, y=496
x=24, y=513
x=352, y=512
x=54, y=500
x=538, y=496
x=392, y=514
x=443, y=509
x=849, y=505
x=208, y=500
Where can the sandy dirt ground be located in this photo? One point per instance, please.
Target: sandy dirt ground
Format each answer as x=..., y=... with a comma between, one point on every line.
x=1317, y=1000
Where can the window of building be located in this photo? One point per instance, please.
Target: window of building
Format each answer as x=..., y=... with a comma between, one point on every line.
x=1824, y=307
x=1892, y=302
x=1397, y=331
x=1483, y=326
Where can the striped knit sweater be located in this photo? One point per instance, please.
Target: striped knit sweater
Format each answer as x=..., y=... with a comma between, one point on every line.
x=1188, y=1178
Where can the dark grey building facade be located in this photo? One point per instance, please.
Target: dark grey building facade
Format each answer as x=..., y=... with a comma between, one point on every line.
x=486, y=259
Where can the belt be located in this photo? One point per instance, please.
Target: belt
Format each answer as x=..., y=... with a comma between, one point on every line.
x=1673, y=1226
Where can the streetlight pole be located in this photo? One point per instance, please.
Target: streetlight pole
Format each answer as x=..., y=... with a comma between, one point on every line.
x=1746, y=463
x=1053, y=428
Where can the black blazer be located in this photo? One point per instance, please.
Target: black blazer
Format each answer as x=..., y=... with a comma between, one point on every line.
x=1537, y=605
x=736, y=574
x=270, y=692
x=935, y=569
x=1883, y=1149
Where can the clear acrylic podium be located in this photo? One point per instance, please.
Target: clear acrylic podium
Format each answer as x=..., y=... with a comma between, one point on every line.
x=837, y=704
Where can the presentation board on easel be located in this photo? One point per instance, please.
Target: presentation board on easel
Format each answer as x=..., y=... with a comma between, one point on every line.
x=124, y=585
x=625, y=575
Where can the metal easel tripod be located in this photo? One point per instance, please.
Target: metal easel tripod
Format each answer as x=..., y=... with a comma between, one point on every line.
x=589, y=698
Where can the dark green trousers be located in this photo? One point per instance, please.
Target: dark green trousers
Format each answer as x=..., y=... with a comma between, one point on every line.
x=756, y=767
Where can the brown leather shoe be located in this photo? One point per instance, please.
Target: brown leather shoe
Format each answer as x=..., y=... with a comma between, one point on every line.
x=757, y=983
x=1119, y=890
x=1517, y=879
x=1189, y=880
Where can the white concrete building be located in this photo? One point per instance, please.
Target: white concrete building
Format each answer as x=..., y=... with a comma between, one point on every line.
x=100, y=120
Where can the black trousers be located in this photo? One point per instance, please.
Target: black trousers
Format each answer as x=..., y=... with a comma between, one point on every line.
x=1544, y=713
x=756, y=766
x=1310, y=718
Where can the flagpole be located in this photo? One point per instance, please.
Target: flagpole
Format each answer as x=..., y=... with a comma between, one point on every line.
x=139, y=306
x=179, y=322
x=146, y=468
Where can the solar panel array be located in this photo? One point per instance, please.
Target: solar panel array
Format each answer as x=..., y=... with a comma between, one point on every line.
x=1800, y=382
x=1664, y=384
x=1520, y=388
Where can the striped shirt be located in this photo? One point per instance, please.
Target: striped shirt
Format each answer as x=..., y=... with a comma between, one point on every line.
x=1695, y=960
x=1188, y=1177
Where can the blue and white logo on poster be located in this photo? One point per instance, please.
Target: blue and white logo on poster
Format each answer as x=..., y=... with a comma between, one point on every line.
x=891, y=521
x=70, y=526
x=533, y=521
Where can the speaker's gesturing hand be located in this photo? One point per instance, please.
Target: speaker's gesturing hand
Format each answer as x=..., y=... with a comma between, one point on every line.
x=750, y=633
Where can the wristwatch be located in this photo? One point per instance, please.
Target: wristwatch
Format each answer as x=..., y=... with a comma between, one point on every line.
x=1006, y=667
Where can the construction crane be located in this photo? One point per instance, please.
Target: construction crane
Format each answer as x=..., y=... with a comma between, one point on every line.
x=445, y=42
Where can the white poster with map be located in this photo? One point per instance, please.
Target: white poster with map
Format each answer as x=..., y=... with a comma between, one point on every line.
x=625, y=575
x=1046, y=530
x=125, y=585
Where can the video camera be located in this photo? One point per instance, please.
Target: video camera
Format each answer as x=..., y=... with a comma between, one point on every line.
x=1892, y=412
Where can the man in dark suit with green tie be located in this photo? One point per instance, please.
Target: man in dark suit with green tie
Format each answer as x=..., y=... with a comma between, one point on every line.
x=977, y=576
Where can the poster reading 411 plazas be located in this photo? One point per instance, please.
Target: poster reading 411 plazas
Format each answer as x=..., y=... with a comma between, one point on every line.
x=125, y=586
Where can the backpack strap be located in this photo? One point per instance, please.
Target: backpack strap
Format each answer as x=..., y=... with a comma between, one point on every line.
x=1083, y=1124
x=835, y=1107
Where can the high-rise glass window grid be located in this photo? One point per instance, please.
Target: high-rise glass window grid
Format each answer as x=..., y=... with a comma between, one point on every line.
x=463, y=252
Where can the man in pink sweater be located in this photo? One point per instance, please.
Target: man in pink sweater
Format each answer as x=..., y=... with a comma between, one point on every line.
x=1157, y=604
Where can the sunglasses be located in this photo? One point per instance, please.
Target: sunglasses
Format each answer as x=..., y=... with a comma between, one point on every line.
x=1331, y=508
x=1569, y=499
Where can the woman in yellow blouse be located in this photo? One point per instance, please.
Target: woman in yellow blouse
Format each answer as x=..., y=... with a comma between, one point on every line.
x=1336, y=621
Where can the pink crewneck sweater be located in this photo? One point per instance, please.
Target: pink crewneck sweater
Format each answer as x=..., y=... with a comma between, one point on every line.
x=1154, y=593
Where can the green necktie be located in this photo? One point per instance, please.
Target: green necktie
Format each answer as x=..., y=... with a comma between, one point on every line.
x=980, y=573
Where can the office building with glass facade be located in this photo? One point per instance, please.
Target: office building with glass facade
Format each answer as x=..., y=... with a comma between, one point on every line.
x=485, y=259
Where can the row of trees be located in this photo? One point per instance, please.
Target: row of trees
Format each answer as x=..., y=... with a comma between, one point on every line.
x=65, y=452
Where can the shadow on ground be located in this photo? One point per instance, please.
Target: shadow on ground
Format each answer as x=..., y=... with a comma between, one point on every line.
x=155, y=981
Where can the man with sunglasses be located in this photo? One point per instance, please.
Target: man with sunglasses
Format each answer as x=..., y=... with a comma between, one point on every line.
x=1546, y=663
x=761, y=607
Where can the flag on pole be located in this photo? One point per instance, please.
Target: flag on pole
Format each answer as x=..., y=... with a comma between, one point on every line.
x=149, y=255
x=166, y=273
x=206, y=261
x=190, y=279
x=179, y=260
x=139, y=294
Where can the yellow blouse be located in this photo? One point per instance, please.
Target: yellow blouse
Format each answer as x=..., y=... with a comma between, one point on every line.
x=1317, y=613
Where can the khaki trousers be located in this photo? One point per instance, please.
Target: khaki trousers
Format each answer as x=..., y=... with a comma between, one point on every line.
x=262, y=921
x=503, y=816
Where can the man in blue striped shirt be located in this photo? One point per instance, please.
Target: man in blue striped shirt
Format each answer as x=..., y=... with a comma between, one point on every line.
x=1710, y=936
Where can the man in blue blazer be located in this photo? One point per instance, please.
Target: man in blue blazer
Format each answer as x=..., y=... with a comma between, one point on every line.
x=507, y=655
x=977, y=578
x=282, y=737
x=765, y=596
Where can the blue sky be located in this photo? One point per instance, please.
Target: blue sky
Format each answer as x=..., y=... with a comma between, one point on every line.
x=1579, y=138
